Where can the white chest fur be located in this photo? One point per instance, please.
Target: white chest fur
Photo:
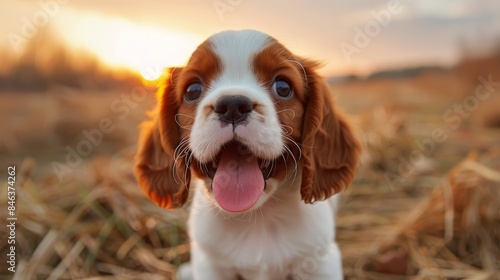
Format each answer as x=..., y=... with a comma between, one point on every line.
x=272, y=239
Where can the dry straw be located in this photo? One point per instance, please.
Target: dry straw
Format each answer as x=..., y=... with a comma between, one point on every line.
x=98, y=225
x=453, y=234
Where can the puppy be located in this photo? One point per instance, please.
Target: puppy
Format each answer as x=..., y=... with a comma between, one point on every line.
x=252, y=129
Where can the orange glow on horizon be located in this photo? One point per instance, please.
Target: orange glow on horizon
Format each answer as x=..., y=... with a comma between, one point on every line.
x=147, y=49
x=144, y=49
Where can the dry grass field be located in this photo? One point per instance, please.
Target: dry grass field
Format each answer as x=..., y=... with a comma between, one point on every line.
x=424, y=204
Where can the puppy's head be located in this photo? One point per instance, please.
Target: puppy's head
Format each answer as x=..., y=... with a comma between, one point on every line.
x=243, y=115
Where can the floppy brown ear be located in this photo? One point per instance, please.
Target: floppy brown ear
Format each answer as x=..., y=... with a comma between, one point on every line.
x=161, y=176
x=329, y=146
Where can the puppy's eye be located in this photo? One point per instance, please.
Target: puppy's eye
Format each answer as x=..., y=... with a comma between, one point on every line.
x=193, y=91
x=282, y=88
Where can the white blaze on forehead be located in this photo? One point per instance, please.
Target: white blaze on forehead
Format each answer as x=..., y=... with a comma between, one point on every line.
x=236, y=49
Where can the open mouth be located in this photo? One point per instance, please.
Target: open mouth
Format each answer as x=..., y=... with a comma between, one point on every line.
x=267, y=167
x=238, y=177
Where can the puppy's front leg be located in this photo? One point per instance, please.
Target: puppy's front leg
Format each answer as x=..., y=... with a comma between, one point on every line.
x=325, y=263
x=206, y=268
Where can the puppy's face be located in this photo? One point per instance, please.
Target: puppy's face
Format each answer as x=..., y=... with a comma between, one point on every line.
x=245, y=114
x=241, y=99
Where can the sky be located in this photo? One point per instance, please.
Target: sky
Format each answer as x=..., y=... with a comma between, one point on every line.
x=356, y=36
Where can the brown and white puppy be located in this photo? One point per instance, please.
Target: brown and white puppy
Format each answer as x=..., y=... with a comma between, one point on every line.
x=253, y=129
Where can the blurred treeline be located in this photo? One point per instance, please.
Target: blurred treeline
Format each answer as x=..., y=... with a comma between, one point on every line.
x=46, y=61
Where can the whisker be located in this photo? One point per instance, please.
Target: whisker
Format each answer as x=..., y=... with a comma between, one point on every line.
x=285, y=110
x=301, y=66
x=174, y=167
x=188, y=164
x=188, y=127
x=261, y=213
x=205, y=169
x=181, y=145
x=172, y=76
x=295, y=171
x=218, y=212
x=279, y=199
x=286, y=169
x=183, y=115
x=296, y=145
x=273, y=164
x=201, y=166
x=282, y=50
x=285, y=129
x=180, y=151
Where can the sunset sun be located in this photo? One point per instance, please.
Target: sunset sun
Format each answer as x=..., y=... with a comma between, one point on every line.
x=144, y=49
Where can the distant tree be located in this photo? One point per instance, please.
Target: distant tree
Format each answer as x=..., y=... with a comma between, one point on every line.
x=47, y=61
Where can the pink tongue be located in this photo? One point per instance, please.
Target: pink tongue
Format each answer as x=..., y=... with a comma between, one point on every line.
x=238, y=181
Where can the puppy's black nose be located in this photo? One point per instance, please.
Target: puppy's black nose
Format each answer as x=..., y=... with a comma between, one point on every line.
x=233, y=109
